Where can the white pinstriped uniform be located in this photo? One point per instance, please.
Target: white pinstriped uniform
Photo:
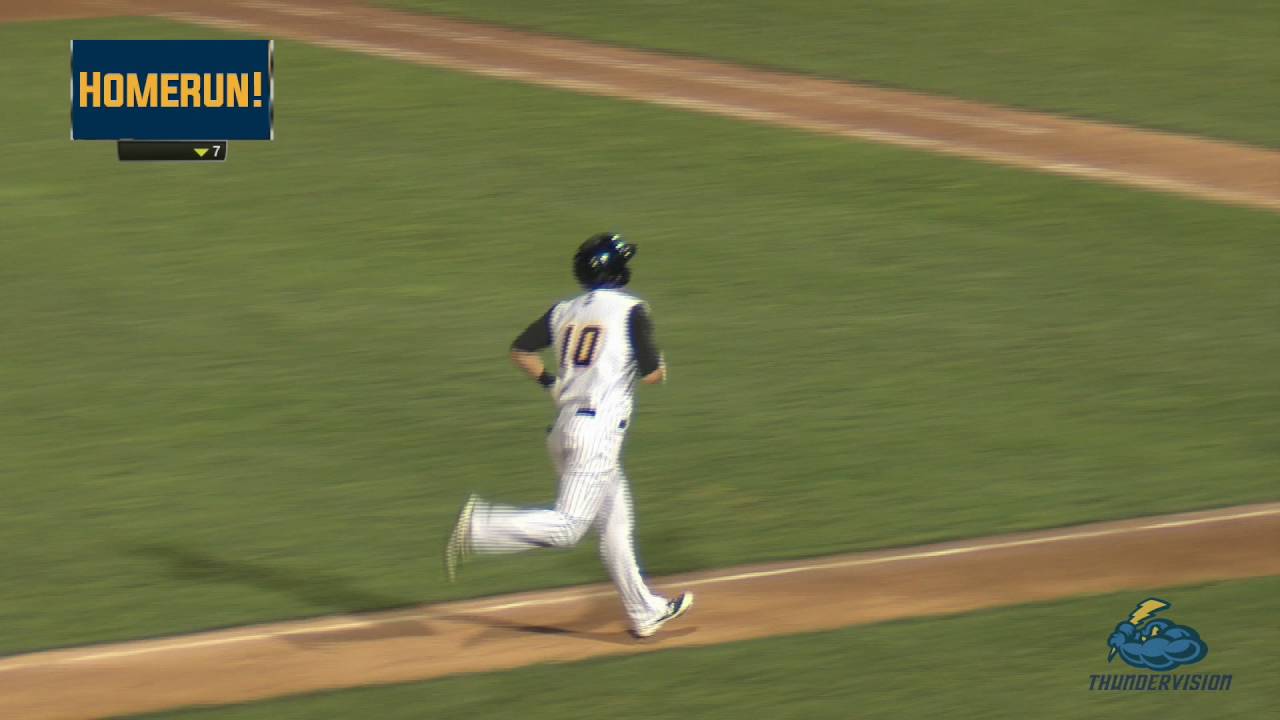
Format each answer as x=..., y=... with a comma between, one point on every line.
x=594, y=395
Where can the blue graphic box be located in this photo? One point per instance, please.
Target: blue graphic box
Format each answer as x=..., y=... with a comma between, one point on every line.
x=172, y=89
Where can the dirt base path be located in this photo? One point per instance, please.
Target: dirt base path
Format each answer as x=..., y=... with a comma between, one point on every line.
x=30, y=10
x=578, y=623
x=1208, y=169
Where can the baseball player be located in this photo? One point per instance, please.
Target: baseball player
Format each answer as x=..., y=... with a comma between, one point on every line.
x=603, y=341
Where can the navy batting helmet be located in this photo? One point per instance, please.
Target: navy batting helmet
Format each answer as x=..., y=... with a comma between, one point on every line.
x=601, y=261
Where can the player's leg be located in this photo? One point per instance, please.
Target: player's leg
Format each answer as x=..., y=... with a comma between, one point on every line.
x=505, y=528
x=616, y=525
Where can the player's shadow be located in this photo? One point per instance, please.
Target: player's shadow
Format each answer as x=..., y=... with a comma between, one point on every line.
x=321, y=591
x=590, y=626
x=330, y=593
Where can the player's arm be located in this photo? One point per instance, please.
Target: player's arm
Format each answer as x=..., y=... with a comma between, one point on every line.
x=526, y=351
x=650, y=364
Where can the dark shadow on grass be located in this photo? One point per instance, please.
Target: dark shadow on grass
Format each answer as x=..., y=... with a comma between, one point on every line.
x=322, y=591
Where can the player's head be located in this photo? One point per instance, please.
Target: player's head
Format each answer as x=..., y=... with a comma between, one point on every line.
x=601, y=261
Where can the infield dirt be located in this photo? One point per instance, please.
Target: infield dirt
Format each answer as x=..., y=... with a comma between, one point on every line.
x=266, y=661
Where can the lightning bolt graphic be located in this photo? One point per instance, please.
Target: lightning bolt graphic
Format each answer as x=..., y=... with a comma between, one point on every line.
x=1145, y=609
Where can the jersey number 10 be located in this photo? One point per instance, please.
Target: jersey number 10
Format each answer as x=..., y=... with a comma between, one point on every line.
x=579, y=344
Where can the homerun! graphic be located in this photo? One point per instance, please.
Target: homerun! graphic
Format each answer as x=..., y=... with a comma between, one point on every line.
x=172, y=90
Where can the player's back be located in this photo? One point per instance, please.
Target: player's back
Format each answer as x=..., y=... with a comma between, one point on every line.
x=597, y=367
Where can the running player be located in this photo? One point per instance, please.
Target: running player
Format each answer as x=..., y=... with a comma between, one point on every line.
x=604, y=343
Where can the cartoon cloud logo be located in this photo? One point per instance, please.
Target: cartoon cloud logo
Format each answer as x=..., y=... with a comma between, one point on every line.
x=1159, y=645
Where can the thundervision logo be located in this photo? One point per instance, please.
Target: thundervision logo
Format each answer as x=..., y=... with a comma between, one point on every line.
x=1159, y=645
x=1155, y=644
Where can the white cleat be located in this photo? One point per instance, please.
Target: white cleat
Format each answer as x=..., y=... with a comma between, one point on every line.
x=675, y=608
x=459, y=545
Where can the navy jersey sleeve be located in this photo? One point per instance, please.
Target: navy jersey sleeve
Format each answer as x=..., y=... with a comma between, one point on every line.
x=643, y=346
x=537, y=336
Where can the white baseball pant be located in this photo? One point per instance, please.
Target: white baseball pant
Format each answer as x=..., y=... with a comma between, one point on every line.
x=594, y=492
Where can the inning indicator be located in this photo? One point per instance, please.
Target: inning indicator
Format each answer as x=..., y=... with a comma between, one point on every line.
x=170, y=151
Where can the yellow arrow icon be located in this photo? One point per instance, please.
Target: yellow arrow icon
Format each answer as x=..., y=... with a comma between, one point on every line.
x=201, y=151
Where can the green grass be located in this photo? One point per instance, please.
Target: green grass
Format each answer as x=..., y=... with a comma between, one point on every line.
x=259, y=389
x=1031, y=661
x=1184, y=65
